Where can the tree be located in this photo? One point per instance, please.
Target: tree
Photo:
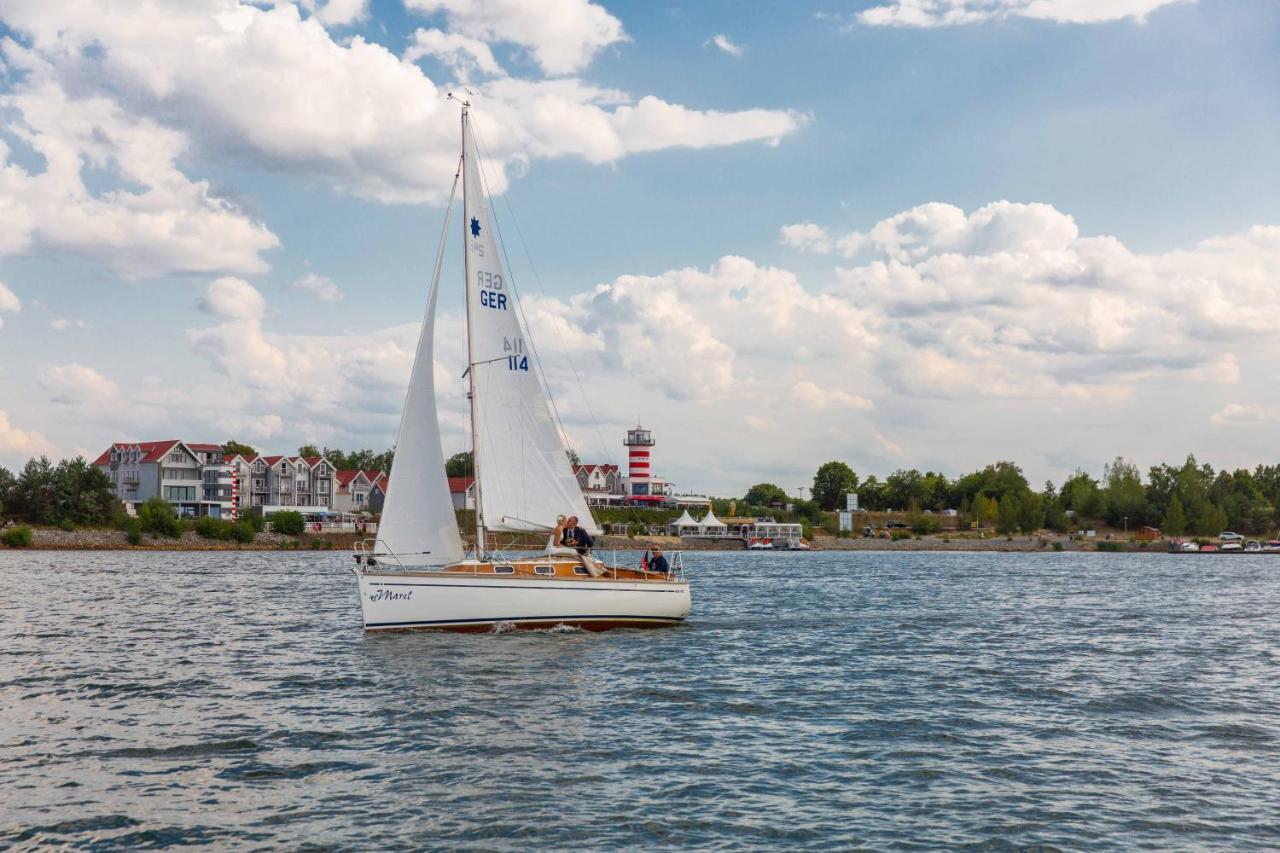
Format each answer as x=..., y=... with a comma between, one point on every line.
x=1175, y=520
x=32, y=496
x=233, y=448
x=1007, y=511
x=309, y=450
x=1209, y=520
x=82, y=494
x=1080, y=493
x=1031, y=513
x=904, y=488
x=1123, y=494
x=833, y=481
x=288, y=522
x=764, y=494
x=871, y=494
x=574, y=459
x=459, y=465
x=1055, y=516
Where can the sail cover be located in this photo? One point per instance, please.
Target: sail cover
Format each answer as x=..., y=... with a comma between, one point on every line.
x=525, y=475
x=418, y=523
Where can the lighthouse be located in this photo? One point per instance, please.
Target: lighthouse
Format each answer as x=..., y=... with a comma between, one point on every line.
x=640, y=484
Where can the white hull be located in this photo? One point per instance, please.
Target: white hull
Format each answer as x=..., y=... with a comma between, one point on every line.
x=396, y=601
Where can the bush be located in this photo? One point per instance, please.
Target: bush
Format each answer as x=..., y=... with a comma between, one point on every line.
x=209, y=527
x=288, y=523
x=132, y=528
x=321, y=545
x=256, y=521
x=899, y=535
x=1057, y=546
x=1110, y=546
x=243, y=531
x=17, y=537
x=66, y=525
x=159, y=518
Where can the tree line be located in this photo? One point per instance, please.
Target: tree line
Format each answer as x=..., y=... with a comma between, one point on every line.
x=1191, y=498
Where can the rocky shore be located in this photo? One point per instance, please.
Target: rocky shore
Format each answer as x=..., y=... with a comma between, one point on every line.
x=96, y=539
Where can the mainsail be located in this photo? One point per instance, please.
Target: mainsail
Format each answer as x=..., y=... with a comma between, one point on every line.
x=525, y=478
x=418, y=523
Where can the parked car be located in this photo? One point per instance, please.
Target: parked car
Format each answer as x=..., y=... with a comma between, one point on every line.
x=1228, y=536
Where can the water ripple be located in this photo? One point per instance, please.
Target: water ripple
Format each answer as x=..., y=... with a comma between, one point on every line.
x=988, y=701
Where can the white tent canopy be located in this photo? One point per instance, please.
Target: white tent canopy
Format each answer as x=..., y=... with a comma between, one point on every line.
x=710, y=521
x=685, y=520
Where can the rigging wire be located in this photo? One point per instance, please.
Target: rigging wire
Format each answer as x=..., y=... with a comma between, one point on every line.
x=520, y=306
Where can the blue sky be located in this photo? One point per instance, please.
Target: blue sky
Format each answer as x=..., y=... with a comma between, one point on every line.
x=912, y=322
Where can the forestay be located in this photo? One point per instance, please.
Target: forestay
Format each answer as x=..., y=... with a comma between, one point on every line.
x=525, y=475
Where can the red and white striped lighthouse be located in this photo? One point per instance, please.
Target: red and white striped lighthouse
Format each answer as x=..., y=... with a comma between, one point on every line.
x=638, y=442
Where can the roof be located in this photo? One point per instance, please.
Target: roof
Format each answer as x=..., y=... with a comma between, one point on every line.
x=152, y=451
x=460, y=484
x=605, y=469
x=272, y=460
x=313, y=461
x=710, y=520
x=344, y=477
x=205, y=448
x=685, y=520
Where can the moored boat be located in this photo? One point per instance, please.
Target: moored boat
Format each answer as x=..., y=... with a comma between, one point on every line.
x=417, y=574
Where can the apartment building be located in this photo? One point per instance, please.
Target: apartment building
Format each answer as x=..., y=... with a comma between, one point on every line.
x=198, y=480
x=192, y=477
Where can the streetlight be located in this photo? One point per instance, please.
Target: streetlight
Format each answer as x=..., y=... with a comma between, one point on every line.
x=1126, y=525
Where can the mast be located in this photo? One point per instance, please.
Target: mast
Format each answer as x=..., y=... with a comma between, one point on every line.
x=471, y=355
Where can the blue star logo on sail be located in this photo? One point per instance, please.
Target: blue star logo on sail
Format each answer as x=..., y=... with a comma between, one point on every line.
x=475, y=227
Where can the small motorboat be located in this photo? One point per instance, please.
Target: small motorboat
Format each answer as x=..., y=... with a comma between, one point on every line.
x=1207, y=548
x=1253, y=546
x=1184, y=547
x=1272, y=546
x=1231, y=546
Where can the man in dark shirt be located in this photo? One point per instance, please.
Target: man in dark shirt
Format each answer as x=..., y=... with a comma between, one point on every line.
x=575, y=537
x=658, y=563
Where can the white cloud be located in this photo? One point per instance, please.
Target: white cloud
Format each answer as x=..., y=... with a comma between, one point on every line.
x=236, y=82
x=8, y=301
x=78, y=385
x=18, y=445
x=61, y=324
x=723, y=43
x=808, y=237
x=811, y=396
x=562, y=35
x=342, y=13
x=151, y=221
x=1011, y=301
x=318, y=286
x=941, y=13
x=234, y=298
x=462, y=53
x=1242, y=414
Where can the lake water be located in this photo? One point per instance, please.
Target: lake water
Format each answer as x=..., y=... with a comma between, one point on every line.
x=812, y=700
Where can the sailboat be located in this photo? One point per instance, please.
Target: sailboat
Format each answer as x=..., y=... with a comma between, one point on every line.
x=416, y=573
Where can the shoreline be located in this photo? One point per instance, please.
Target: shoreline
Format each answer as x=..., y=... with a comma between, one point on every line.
x=99, y=539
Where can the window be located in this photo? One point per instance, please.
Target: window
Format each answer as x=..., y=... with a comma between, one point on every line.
x=581, y=570
x=544, y=570
x=359, y=497
x=504, y=570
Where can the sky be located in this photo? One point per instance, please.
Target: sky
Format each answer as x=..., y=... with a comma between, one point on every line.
x=898, y=233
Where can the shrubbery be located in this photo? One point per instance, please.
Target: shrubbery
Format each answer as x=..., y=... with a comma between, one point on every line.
x=243, y=531
x=159, y=518
x=17, y=537
x=132, y=528
x=288, y=523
